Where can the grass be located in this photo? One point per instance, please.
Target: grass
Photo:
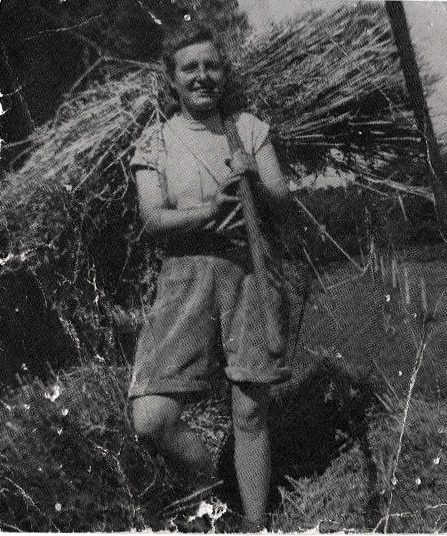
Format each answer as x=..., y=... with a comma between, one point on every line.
x=70, y=460
x=352, y=450
x=63, y=448
x=397, y=299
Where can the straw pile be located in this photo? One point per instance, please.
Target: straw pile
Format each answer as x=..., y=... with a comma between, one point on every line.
x=330, y=82
x=71, y=210
x=73, y=158
x=323, y=82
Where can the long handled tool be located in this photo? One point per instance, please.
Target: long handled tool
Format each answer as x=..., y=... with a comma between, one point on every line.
x=256, y=243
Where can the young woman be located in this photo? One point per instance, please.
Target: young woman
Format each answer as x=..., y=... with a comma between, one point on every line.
x=207, y=316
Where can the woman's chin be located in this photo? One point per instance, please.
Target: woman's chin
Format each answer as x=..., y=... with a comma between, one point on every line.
x=203, y=108
x=206, y=104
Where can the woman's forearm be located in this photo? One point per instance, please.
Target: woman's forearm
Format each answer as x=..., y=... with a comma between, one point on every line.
x=277, y=204
x=183, y=221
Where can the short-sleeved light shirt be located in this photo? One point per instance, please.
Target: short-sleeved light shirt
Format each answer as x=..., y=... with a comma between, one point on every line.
x=189, y=158
x=207, y=301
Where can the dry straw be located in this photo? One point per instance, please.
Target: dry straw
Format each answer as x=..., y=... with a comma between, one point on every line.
x=330, y=80
x=324, y=82
x=70, y=158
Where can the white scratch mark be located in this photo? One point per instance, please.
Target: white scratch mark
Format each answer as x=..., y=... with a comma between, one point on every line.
x=417, y=365
x=2, y=111
x=30, y=501
x=5, y=260
x=54, y=394
x=7, y=406
x=214, y=511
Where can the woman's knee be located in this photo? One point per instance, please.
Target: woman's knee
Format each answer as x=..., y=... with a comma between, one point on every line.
x=250, y=407
x=153, y=415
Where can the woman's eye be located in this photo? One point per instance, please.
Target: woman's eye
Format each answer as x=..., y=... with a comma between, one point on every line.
x=189, y=68
x=193, y=67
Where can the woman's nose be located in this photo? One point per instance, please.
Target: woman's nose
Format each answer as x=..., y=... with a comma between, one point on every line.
x=203, y=73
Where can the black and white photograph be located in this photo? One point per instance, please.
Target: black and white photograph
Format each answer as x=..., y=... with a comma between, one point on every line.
x=223, y=297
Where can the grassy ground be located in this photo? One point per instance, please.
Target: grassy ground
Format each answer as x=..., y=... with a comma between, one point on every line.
x=358, y=436
x=373, y=322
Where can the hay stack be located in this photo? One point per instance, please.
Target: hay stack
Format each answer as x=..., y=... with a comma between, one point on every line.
x=323, y=82
x=330, y=81
x=72, y=159
x=71, y=210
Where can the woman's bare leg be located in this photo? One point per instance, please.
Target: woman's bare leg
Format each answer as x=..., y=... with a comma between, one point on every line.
x=252, y=447
x=158, y=418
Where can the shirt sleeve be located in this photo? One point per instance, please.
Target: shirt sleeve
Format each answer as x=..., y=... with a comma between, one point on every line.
x=150, y=192
x=148, y=150
x=147, y=165
x=252, y=131
x=138, y=159
x=254, y=134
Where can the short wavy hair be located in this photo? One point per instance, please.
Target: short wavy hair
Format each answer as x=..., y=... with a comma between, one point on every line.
x=187, y=34
x=190, y=33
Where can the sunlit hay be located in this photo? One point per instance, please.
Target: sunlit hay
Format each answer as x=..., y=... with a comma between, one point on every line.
x=71, y=159
x=331, y=81
x=71, y=209
x=314, y=79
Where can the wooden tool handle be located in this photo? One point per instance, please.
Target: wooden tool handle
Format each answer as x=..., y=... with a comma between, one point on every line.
x=256, y=242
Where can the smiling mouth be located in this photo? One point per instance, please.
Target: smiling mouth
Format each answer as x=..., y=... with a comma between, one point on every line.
x=206, y=91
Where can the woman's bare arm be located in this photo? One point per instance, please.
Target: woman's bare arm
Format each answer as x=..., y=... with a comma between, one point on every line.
x=161, y=220
x=272, y=183
x=268, y=183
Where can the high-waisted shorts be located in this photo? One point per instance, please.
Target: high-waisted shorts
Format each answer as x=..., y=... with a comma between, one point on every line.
x=207, y=317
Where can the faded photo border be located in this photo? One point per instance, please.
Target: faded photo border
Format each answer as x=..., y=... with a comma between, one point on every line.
x=350, y=100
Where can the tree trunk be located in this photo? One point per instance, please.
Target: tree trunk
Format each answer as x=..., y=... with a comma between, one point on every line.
x=436, y=168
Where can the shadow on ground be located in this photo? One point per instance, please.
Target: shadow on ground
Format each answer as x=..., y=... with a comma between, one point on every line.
x=33, y=341
x=311, y=425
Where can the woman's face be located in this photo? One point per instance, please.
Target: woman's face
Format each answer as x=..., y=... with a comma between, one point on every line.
x=198, y=78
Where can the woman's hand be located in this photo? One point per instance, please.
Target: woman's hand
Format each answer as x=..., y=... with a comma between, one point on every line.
x=242, y=163
x=222, y=204
x=224, y=207
x=219, y=204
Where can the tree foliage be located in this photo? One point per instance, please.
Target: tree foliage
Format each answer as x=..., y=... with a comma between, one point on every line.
x=47, y=45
